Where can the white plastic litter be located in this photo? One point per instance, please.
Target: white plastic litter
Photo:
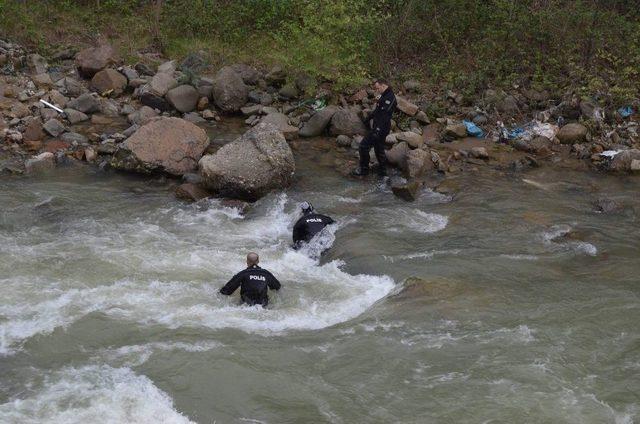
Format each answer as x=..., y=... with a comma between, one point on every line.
x=610, y=153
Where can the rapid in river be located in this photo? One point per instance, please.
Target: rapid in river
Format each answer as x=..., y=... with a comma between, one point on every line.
x=526, y=308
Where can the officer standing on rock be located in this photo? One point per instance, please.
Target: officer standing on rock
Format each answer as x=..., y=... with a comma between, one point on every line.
x=254, y=283
x=381, y=118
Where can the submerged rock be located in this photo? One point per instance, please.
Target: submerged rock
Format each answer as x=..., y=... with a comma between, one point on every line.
x=406, y=190
x=191, y=192
x=172, y=145
x=250, y=166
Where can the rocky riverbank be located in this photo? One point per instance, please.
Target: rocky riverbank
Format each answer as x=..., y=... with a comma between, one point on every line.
x=90, y=106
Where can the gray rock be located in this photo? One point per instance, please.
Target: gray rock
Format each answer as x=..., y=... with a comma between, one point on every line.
x=109, y=80
x=622, y=162
x=161, y=83
x=72, y=87
x=281, y=122
x=455, y=130
x=172, y=145
x=412, y=86
x=343, y=140
x=572, y=133
x=248, y=74
x=184, y=98
x=193, y=117
x=229, y=91
x=37, y=64
x=276, y=76
x=153, y=100
x=251, y=166
x=318, y=122
x=406, y=190
x=94, y=59
x=168, y=67
x=85, y=103
x=406, y=106
x=397, y=155
x=74, y=138
x=251, y=110
x=129, y=73
x=412, y=139
x=508, y=106
x=41, y=163
x=142, y=115
x=288, y=91
x=53, y=127
x=606, y=205
x=347, y=122
x=143, y=69
x=418, y=161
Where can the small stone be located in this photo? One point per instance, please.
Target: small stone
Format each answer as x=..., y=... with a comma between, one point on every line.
x=406, y=106
x=42, y=81
x=343, y=140
x=635, y=165
x=53, y=127
x=90, y=154
x=479, y=152
x=75, y=116
x=203, y=103
x=413, y=140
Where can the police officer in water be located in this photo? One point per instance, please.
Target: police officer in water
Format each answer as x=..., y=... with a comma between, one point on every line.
x=254, y=283
x=381, y=118
x=308, y=225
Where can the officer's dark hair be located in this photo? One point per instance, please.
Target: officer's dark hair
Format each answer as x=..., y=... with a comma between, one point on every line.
x=382, y=81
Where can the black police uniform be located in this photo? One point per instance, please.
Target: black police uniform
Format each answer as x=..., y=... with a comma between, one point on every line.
x=254, y=283
x=381, y=117
x=308, y=226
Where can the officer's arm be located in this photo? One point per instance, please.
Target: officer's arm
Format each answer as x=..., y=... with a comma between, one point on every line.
x=232, y=285
x=273, y=282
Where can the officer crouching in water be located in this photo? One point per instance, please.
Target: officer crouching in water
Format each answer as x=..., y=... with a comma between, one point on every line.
x=254, y=283
x=309, y=225
x=381, y=117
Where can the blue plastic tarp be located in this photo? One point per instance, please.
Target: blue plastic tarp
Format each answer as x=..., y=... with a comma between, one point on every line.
x=473, y=130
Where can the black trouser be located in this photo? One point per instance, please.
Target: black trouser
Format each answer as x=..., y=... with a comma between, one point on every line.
x=375, y=140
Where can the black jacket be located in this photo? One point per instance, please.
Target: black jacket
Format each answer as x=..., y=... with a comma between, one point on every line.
x=308, y=226
x=382, y=114
x=254, y=283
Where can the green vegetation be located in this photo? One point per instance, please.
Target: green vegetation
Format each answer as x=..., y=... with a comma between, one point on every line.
x=590, y=45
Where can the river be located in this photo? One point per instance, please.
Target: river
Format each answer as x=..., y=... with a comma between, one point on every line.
x=527, y=310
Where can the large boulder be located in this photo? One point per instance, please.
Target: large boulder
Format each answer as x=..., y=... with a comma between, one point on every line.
x=229, y=91
x=251, y=166
x=184, y=98
x=172, y=145
x=572, y=133
x=346, y=122
x=281, y=122
x=109, y=80
x=317, y=124
x=90, y=61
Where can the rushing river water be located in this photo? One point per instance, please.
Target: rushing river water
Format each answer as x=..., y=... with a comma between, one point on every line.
x=528, y=312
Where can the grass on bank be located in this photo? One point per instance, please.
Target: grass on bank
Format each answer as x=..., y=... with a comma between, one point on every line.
x=590, y=46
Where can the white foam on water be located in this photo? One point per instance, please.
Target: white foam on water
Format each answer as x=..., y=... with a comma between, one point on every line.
x=136, y=355
x=93, y=394
x=415, y=220
x=520, y=257
x=421, y=255
x=177, y=259
x=550, y=239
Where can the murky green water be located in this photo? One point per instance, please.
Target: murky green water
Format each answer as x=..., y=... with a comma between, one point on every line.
x=109, y=309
